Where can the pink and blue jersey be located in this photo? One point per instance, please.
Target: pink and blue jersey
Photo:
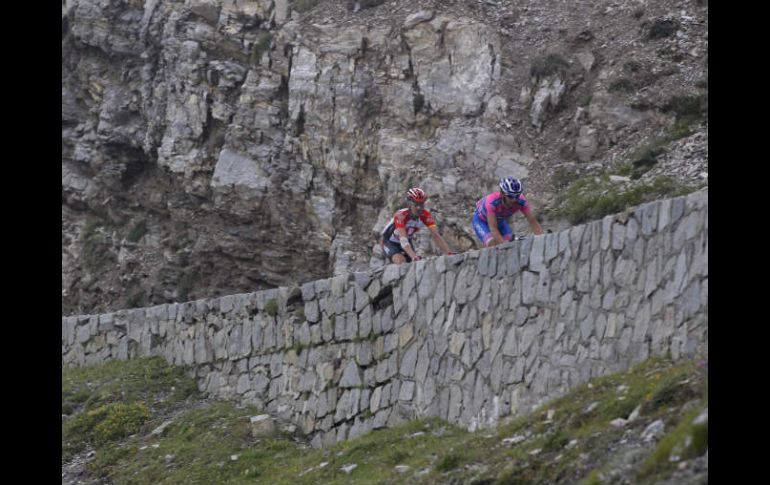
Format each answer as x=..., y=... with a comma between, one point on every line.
x=494, y=202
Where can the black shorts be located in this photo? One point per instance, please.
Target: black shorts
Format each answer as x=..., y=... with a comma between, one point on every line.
x=391, y=249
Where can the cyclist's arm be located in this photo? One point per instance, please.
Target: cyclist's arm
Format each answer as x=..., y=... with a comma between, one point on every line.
x=439, y=240
x=533, y=222
x=492, y=222
x=407, y=247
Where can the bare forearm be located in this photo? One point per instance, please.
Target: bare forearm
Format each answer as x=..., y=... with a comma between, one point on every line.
x=406, y=244
x=440, y=242
x=535, y=227
x=496, y=236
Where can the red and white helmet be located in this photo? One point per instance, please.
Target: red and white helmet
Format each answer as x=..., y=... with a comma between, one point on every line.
x=416, y=195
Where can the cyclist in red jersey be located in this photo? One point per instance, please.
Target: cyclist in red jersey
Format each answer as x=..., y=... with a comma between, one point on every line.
x=397, y=236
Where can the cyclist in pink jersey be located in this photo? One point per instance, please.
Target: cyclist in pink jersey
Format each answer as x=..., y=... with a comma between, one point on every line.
x=397, y=236
x=490, y=219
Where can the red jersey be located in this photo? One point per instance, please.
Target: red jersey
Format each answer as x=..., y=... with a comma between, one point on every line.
x=403, y=218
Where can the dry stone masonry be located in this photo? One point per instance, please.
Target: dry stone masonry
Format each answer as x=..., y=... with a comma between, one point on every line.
x=470, y=338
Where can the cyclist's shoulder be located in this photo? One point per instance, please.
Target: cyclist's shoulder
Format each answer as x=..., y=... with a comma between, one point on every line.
x=401, y=216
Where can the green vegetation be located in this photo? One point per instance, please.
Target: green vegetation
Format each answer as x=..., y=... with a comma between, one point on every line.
x=594, y=197
x=137, y=232
x=622, y=85
x=370, y=3
x=260, y=46
x=688, y=108
x=418, y=101
x=633, y=66
x=303, y=6
x=136, y=296
x=300, y=313
x=448, y=462
x=585, y=100
x=593, y=478
x=271, y=307
x=563, y=176
x=108, y=402
x=186, y=282
x=211, y=442
x=109, y=422
x=95, y=241
x=548, y=65
x=662, y=28
x=686, y=441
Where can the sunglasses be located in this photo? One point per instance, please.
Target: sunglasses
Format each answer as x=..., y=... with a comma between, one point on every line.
x=419, y=206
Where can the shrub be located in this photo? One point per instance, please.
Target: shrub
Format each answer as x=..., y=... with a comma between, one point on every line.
x=548, y=65
x=95, y=251
x=418, y=101
x=137, y=232
x=621, y=84
x=303, y=6
x=662, y=28
x=687, y=106
x=260, y=46
x=592, y=198
x=109, y=422
x=448, y=462
x=271, y=307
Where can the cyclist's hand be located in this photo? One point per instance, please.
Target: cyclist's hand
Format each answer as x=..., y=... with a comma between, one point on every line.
x=451, y=253
x=416, y=258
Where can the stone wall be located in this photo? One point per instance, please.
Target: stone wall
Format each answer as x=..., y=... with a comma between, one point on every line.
x=470, y=338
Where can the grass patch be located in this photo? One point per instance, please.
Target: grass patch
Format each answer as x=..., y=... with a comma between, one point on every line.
x=621, y=85
x=198, y=446
x=418, y=101
x=594, y=197
x=303, y=6
x=107, y=402
x=271, y=307
x=633, y=66
x=300, y=313
x=593, y=478
x=137, y=380
x=686, y=441
x=687, y=106
x=660, y=29
x=96, y=253
x=556, y=441
x=644, y=158
x=548, y=65
x=137, y=232
x=187, y=282
x=108, y=422
x=448, y=463
x=563, y=176
x=136, y=297
x=260, y=46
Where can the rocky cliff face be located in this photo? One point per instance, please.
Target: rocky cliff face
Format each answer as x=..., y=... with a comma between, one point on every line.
x=214, y=146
